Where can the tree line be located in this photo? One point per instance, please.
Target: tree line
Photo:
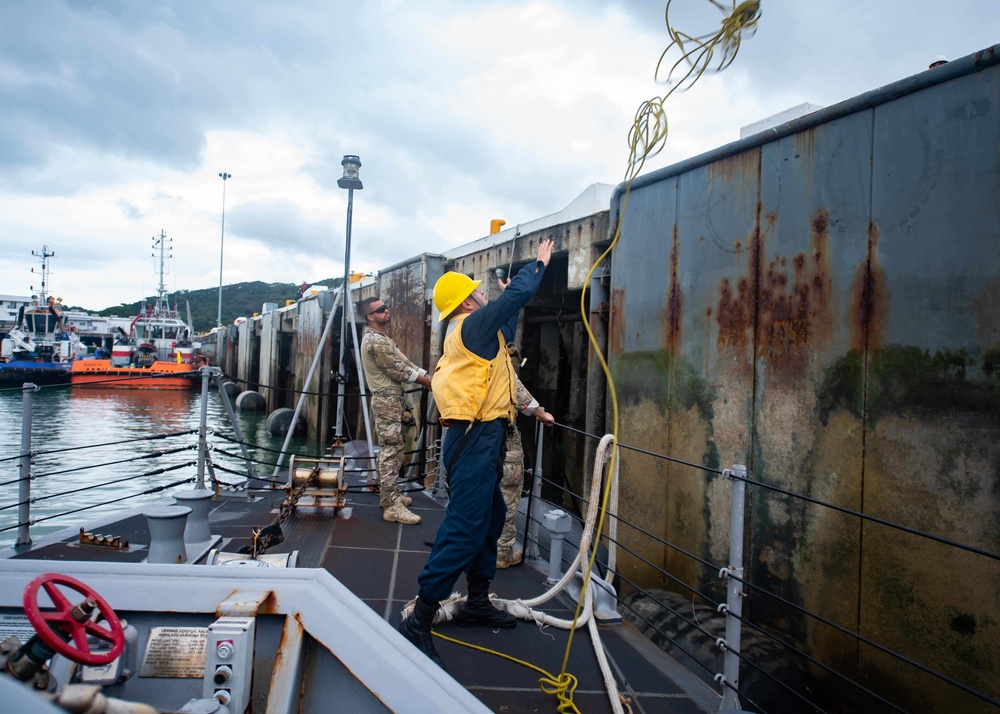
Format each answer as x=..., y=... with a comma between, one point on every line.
x=238, y=300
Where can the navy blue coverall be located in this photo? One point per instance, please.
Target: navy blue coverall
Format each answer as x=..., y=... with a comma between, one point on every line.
x=467, y=539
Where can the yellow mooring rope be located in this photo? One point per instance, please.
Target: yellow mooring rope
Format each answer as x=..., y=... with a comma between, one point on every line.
x=646, y=138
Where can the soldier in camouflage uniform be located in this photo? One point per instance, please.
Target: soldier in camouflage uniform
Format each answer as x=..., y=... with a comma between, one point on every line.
x=386, y=371
x=508, y=553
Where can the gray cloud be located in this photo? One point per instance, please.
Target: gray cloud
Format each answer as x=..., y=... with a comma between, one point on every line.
x=129, y=210
x=282, y=225
x=103, y=99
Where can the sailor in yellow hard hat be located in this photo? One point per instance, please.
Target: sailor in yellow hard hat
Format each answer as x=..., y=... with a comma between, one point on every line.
x=474, y=388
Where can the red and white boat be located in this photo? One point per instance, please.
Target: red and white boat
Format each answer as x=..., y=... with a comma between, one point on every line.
x=158, y=352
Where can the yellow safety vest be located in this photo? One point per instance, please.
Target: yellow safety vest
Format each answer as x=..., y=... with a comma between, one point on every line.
x=468, y=387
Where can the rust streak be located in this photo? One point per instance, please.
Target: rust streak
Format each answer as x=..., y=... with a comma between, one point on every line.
x=867, y=306
x=270, y=605
x=789, y=303
x=674, y=299
x=732, y=168
x=616, y=336
x=772, y=220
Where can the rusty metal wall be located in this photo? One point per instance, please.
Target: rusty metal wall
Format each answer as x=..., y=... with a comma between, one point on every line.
x=406, y=290
x=227, y=346
x=823, y=304
x=269, y=329
x=246, y=355
x=313, y=313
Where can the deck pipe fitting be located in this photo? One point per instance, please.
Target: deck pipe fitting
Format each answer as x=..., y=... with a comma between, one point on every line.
x=166, y=533
x=558, y=524
x=197, y=534
x=605, y=598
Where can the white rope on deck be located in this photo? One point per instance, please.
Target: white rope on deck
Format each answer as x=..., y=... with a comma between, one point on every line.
x=525, y=609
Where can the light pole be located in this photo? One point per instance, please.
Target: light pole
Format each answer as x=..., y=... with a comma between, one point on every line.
x=222, y=242
x=350, y=181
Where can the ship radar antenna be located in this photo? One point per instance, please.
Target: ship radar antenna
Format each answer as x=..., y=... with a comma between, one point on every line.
x=165, y=245
x=44, y=254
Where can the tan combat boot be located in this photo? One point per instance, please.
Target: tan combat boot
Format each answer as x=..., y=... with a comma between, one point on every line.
x=507, y=557
x=398, y=513
x=397, y=498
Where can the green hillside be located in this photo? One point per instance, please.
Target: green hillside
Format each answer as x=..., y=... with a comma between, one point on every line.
x=238, y=300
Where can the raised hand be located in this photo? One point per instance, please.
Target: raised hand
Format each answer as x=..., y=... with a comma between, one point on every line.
x=545, y=251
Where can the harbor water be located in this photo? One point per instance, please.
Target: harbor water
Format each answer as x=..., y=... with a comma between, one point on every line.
x=96, y=452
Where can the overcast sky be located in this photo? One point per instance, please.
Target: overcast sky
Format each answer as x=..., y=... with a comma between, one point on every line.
x=116, y=118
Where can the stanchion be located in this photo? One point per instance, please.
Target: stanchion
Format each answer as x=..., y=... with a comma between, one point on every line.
x=24, y=487
x=531, y=551
x=203, y=428
x=734, y=591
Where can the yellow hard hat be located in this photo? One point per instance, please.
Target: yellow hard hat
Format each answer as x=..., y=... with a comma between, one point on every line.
x=450, y=290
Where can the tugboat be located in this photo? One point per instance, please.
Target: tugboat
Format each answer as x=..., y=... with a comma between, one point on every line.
x=40, y=348
x=156, y=353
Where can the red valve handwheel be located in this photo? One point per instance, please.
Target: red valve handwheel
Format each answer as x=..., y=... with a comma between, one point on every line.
x=48, y=625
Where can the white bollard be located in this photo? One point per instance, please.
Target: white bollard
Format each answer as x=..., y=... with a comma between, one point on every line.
x=166, y=533
x=197, y=533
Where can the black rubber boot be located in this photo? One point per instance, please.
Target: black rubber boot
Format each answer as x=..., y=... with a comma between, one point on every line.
x=417, y=629
x=478, y=611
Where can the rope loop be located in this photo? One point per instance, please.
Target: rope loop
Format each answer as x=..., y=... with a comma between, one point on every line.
x=563, y=688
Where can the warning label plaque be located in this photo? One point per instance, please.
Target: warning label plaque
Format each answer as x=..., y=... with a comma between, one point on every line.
x=175, y=652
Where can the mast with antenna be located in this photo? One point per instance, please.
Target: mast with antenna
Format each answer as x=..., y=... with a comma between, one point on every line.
x=165, y=246
x=44, y=255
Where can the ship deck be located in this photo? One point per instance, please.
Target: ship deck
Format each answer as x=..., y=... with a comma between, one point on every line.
x=379, y=562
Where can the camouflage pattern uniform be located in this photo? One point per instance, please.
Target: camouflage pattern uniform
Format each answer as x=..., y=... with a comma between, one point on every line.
x=512, y=482
x=386, y=371
x=388, y=410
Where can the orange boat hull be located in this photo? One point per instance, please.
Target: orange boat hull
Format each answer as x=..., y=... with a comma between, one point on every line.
x=159, y=375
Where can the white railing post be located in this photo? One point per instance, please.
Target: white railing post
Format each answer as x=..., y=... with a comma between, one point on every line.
x=203, y=427
x=734, y=591
x=536, y=495
x=24, y=486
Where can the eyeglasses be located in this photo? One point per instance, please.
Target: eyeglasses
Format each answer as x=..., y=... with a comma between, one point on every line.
x=379, y=309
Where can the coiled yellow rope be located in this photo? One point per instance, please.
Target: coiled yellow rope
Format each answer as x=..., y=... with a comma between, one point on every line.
x=743, y=18
x=648, y=134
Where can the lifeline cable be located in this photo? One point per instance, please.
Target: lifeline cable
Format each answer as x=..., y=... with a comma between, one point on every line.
x=154, y=437
x=260, y=385
x=154, y=472
x=783, y=491
x=769, y=636
x=155, y=489
x=151, y=455
x=647, y=137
